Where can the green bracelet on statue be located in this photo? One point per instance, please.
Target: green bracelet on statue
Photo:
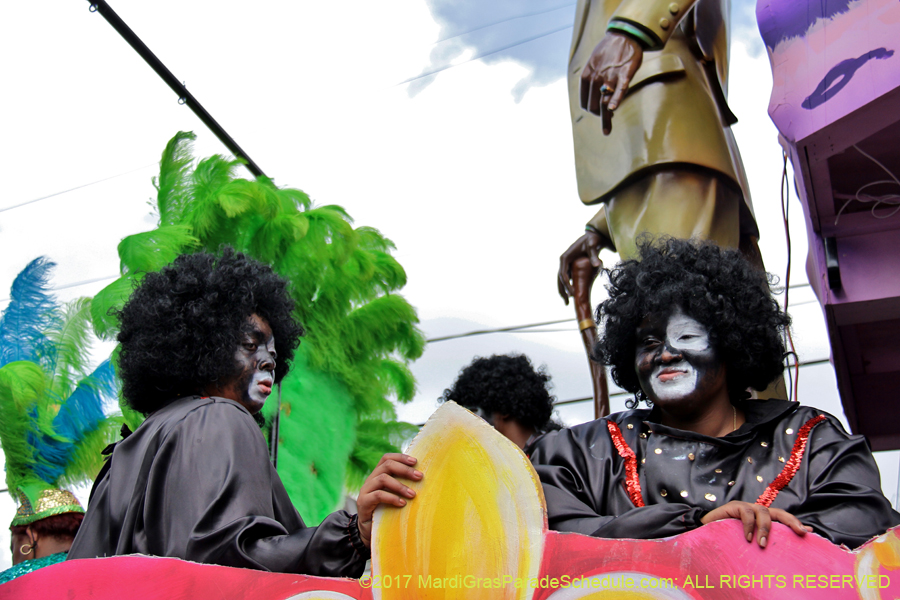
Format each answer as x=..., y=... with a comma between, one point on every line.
x=642, y=37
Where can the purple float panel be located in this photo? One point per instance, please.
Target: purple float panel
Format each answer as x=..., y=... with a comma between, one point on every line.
x=836, y=103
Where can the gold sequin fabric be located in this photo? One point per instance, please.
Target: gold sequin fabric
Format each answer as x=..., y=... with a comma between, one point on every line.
x=50, y=502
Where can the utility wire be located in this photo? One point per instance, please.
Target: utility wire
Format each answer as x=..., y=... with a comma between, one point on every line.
x=501, y=329
x=521, y=328
x=482, y=55
x=501, y=21
x=101, y=11
x=624, y=393
x=78, y=187
x=76, y=284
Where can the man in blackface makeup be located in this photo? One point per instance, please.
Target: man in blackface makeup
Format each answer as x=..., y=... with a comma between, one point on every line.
x=688, y=329
x=510, y=394
x=202, y=344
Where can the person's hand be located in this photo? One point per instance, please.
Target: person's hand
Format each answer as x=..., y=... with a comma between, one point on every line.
x=608, y=72
x=589, y=246
x=755, y=515
x=380, y=487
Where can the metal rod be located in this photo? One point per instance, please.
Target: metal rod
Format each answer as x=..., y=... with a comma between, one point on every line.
x=273, y=434
x=184, y=95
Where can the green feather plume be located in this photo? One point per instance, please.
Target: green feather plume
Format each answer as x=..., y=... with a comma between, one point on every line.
x=360, y=335
x=52, y=420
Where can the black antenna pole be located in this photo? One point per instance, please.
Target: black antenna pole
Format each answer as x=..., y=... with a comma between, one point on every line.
x=184, y=96
x=275, y=433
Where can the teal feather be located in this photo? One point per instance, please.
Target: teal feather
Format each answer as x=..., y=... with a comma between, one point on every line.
x=52, y=419
x=29, y=313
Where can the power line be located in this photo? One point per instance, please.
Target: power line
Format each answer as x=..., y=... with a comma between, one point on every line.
x=525, y=16
x=525, y=41
x=76, y=284
x=520, y=328
x=498, y=330
x=621, y=393
x=78, y=187
x=85, y=282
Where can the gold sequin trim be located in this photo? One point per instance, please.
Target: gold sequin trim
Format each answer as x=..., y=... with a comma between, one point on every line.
x=50, y=502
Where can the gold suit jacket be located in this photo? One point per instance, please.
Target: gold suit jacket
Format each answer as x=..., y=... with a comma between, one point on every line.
x=675, y=110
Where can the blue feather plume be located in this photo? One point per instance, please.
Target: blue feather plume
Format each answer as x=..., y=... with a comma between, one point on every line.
x=28, y=315
x=80, y=415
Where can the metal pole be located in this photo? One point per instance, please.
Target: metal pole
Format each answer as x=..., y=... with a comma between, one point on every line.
x=184, y=96
x=273, y=435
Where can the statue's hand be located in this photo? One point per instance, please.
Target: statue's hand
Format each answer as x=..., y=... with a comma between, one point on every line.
x=608, y=72
x=589, y=246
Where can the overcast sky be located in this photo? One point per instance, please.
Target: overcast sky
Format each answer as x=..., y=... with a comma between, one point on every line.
x=442, y=123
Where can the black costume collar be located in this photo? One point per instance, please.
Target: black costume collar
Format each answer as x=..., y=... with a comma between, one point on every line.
x=758, y=414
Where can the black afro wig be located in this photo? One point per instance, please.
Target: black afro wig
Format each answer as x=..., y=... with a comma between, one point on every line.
x=505, y=384
x=181, y=326
x=715, y=286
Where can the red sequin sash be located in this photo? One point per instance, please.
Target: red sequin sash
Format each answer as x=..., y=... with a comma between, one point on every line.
x=632, y=481
x=790, y=468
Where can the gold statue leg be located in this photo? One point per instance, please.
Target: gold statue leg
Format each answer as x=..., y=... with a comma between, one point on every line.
x=681, y=203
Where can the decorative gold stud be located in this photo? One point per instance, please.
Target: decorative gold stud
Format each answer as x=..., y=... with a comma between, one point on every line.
x=764, y=444
x=643, y=461
x=789, y=431
x=749, y=459
x=759, y=478
x=630, y=426
x=664, y=23
x=663, y=493
x=710, y=497
x=780, y=459
x=718, y=470
x=691, y=456
x=644, y=435
x=684, y=493
x=674, y=8
x=658, y=450
x=730, y=483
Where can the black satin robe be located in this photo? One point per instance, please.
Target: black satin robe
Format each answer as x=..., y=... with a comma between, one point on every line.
x=684, y=475
x=195, y=482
